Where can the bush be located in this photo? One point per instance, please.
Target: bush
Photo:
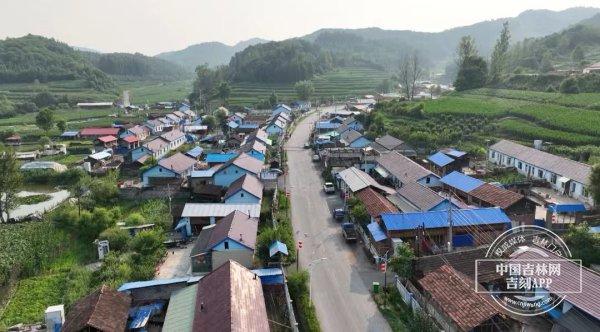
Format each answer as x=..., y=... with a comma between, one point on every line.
x=117, y=238
x=307, y=316
x=569, y=86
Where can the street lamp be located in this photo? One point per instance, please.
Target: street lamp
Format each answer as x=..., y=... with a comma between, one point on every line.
x=310, y=265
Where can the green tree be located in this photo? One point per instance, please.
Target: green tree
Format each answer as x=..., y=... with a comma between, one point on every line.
x=578, y=55
x=45, y=140
x=79, y=189
x=210, y=122
x=569, y=86
x=402, y=261
x=117, y=238
x=157, y=212
x=583, y=244
x=499, y=55
x=220, y=116
x=595, y=183
x=546, y=63
x=466, y=49
x=104, y=190
x=223, y=91
x=44, y=99
x=386, y=86
x=135, y=219
x=148, y=244
x=45, y=119
x=304, y=90
x=472, y=74
x=273, y=100
x=359, y=213
x=10, y=182
x=61, y=125
x=6, y=106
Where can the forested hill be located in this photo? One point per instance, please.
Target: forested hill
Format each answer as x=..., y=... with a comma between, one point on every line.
x=287, y=61
x=212, y=53
x=30, y=58
x=386, y=47
x=136, y=66
x=572, y=48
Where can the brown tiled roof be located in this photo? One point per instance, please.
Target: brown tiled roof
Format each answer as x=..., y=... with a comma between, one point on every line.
x=402, y=167
x=496, y=196
x=177, y=162
x=156, y=144
x=249, y=183
x=587, y=300
x=237, y=226
x=420, y=196
x=103, y=310
x=172, y=135
x=375, y=203
x=454, y=294
x=462, y=261
x=230, y=299
x=577, y=171
x=388, y=141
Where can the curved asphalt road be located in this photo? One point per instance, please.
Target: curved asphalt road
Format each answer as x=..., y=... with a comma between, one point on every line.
x=340, y=284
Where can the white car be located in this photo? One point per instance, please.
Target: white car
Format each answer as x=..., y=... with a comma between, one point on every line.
x=316, y=157
x=329, y=188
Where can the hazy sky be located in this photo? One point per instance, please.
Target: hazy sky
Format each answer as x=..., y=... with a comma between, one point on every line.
x=153, y=26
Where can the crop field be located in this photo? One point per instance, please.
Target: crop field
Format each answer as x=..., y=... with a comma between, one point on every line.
x=152, y=92
x=340, y=84
x=527, y=130
x=581, y=100
x=20, y=92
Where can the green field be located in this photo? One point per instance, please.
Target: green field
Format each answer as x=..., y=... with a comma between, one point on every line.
x=341, y=83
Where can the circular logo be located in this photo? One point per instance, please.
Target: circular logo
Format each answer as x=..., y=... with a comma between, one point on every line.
x=528, y=271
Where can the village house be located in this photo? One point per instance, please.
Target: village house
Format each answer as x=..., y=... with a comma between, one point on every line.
x=246, y=189
x=281, y=108
x=141, y=132
x=213, y=159
x=448, y=160
x=236, y=168
x=352, y=180
x=231, y=238
x=158, y=147
x=201, y=185
x=106, y=142
x=195, y=152
x=93, y=132
x=564, y=175
x=390, y=143
x=130, y=142
x=228, y=299
x=256, y=149
x=176, y=138
x=203, y=214
x=354, y=139
x=104, y=310
x=396, y=169
x=352, y=123
x=375, y=203
x=13, y=140
x=322, y=127
x=593, y=68
x=276, y=127
x=155, y=126
x=413, y=197
x=237, y=118
x=246, y=128
x=139, y=155
x=177, y=166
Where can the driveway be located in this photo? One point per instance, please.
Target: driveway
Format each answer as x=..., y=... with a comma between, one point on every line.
x=341, y=283
x=176, y=264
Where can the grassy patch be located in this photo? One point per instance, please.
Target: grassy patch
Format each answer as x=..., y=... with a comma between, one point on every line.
x=32, y=297
x=399, y=315
x=33, y=199
x=305, y=310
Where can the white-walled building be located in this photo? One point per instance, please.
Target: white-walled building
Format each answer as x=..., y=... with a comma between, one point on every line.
x=566, y=176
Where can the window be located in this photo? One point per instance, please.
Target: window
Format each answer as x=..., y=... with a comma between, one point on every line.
x=540, y=173
x=553, y=178
x=509, y=160
x=493, y=154
x=520, y=165
x=241, y=194
x=428, y=180
x=160, y=169
x=226, y=244
x=236, y=171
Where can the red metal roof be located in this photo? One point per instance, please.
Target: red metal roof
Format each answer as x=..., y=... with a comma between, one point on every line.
x=375, y=203
x=107, y=139
x=131, y=139
x=230, y=299
x=454, y=293
x=496, y=196
x=99, y=131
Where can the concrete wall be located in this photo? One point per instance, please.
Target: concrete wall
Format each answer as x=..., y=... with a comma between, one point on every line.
x=242, y=196
x=244, y=257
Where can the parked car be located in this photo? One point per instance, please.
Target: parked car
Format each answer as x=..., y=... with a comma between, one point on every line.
x=338, y=214
x=307, y=145
x=329, y=188
x=316, y=157
x=349, y=232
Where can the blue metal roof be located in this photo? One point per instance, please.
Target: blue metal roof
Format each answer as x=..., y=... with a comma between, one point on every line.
x=69, y=134
x=150, y=283
x=277, y=247
x=376, y=232
x=203, y=174
x=219, y=157
x=327, y=125
x=249, y=125
x=233, y=124
x=274, y=271
x=439, y=219
x=195, y=152
x=595, y=229
x=461, y=181
x=455, y=153
x=440, y=159
x=566, y=208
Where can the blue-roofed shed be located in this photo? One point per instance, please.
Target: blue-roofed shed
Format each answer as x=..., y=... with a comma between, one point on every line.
x=376, y=232
x=249, y=126
x=326, y=125
x=461, y=181
x=232, y=124
x=69, y=134
x=566, y=208
x=270, y=276
x=218, y=158
x=278, y=247
x=440, y=159
x=439, y=219
x=454, y=153
x=195, y=152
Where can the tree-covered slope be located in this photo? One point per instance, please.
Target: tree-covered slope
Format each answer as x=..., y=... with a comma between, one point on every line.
x=137, y=66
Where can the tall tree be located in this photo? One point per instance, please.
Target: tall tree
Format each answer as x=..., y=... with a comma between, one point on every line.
x=273, y=100
x=45, y=119
x=304, y=90
x=466, y=49
x=10, y=182
x=578, y=55
x=410, y=72
x=61, y=125
x=472, y=68
x=498, y=61
x=223, y=91
x=595, y=183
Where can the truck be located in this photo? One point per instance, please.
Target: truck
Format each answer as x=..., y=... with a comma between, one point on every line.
x=349, y=232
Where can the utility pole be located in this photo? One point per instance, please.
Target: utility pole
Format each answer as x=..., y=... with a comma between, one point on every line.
x=450, y=224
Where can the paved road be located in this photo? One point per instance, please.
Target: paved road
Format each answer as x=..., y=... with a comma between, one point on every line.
x=340, y=284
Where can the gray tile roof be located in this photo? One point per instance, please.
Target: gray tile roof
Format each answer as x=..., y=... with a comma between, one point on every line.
x=350, y=136
x=238, y=227
x=254, y=144
x=178, y=162
x=571, y=169
x=402, y=167
x=246, y=162
x=388, y=141
x=421, y=197
x=172, y=135
x=357, y=180
x=249, y=183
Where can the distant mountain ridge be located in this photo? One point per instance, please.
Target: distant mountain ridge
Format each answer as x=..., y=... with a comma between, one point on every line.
x=212, y=53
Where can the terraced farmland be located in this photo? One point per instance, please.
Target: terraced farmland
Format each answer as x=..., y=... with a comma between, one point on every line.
x=340, y=84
